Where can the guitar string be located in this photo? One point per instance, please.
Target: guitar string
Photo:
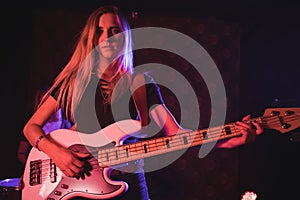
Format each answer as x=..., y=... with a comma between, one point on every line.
x=178, y=142
x=46, y=173
x=162, y=144
x=48, y=165
x=140, y=148
x=173, y=143
x=212, y=134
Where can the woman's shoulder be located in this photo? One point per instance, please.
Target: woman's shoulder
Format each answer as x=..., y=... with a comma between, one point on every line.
x=142, y=77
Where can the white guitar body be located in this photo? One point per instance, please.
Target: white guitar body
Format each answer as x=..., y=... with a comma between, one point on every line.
x=42, y=181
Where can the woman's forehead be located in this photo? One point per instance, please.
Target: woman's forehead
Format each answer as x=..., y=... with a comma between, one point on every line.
x=109, y=20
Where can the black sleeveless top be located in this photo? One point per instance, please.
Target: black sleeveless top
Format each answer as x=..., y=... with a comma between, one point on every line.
x=93, y=114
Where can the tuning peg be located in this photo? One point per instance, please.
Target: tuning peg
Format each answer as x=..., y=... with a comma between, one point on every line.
x=275, y=113
x=285, y=125
x=289, y=112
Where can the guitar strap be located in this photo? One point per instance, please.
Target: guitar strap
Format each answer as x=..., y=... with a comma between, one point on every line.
x=138, y=90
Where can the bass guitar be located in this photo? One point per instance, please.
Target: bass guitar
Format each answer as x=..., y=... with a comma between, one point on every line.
x=43, y=180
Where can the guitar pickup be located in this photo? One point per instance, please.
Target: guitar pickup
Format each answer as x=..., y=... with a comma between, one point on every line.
x=53, y=174
x=35, y=172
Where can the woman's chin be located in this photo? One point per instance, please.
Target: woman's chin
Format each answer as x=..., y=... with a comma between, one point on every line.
x=110, y=56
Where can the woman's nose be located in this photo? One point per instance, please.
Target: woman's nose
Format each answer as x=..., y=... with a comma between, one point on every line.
x=106, y=35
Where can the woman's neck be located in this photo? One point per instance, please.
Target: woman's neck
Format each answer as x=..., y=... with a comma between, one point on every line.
x=106, y=73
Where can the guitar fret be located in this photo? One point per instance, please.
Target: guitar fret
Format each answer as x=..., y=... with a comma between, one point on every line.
x=185, y=140
x=127, y=152
x=107, y=156
x=133, y=151
x=227, y=130
x=204, y=135
x=130, y=151
x=113, y=154
x=123, y=153
x=117, y=156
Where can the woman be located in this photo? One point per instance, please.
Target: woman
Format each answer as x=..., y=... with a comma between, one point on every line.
x=103, y=56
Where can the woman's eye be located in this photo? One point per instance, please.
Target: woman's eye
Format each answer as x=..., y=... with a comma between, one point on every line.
x=116, y=31
x=99, y=31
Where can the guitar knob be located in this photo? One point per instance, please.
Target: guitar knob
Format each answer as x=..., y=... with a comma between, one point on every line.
x=64, y=186
x=58, y=193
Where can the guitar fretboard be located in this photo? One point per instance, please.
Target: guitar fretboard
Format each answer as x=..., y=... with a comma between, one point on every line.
x=157, y=146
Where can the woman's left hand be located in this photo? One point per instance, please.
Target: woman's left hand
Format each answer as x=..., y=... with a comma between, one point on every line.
x=248, y=131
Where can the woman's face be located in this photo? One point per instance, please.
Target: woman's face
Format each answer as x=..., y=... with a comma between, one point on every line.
x=110, y=40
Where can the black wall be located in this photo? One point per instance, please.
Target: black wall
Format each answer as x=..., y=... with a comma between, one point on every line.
x=269, y=70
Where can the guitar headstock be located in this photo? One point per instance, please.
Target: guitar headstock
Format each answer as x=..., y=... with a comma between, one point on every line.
x=281, y=119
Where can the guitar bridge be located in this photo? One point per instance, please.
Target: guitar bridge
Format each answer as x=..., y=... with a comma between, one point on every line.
x=35, y=172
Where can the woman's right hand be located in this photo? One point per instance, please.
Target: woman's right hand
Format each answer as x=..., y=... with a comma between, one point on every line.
x=71, y=163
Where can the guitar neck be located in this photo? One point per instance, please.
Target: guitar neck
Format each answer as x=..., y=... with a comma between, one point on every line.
x=157, y=146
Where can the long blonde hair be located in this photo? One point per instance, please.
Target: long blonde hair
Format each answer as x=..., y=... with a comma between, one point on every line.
x=84, y=60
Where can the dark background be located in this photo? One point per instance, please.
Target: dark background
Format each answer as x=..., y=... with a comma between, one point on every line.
x=37, y=40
